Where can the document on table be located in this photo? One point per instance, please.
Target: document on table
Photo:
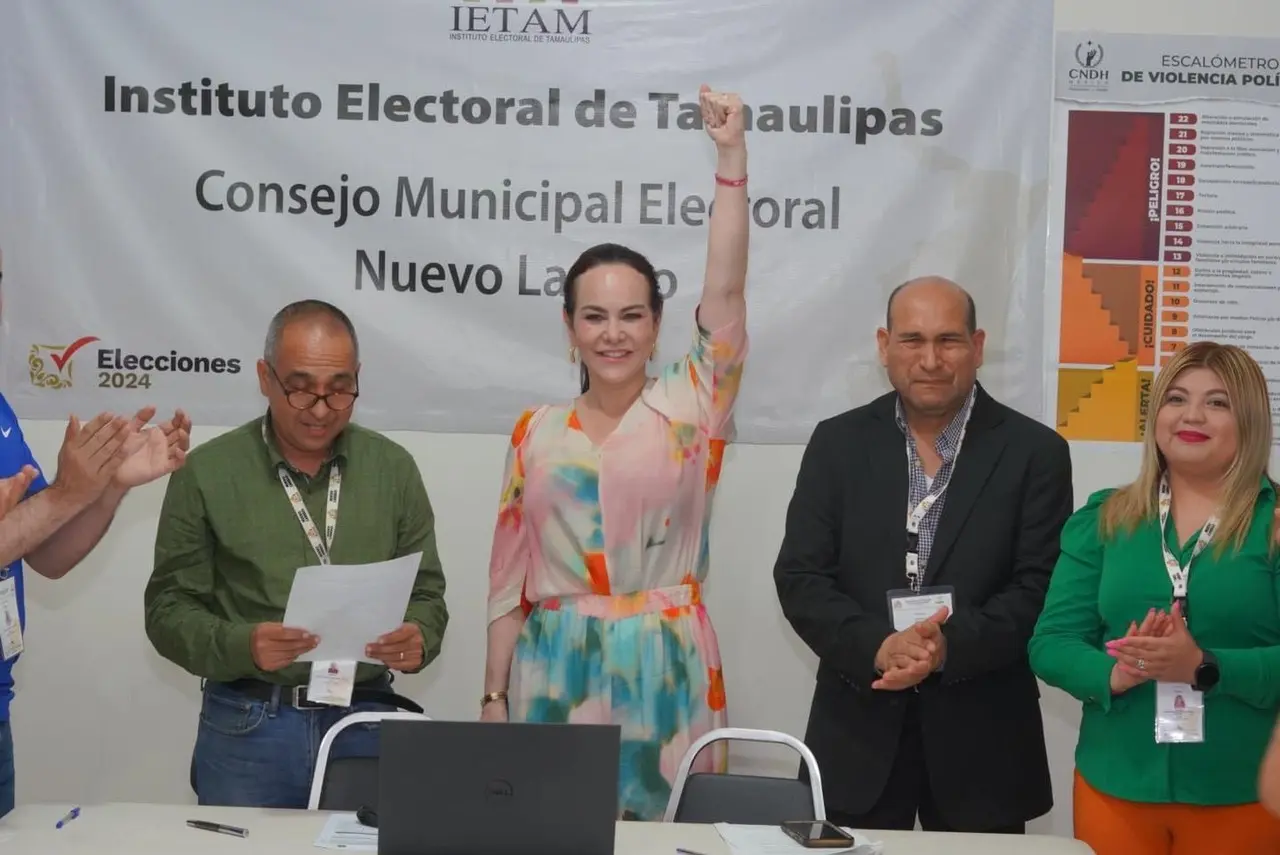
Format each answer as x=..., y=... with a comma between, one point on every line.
x=772, y=840
x=349, y=605
x=343, y=831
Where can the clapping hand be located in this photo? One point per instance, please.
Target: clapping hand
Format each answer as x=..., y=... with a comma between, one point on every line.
x=90, y=456
x=152, y=452
x=13, y=488
x=907, y=657
x=722, y=116
x=1165, y=651
x=1156, y=623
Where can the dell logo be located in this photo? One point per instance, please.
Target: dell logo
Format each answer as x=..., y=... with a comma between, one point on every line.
x=498, y=789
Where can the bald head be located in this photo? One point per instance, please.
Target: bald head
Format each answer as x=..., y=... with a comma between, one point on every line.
x=935, y=290
x=932, y=348
x=310, y=313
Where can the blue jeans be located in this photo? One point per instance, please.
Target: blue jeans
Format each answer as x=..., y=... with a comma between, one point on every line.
x=255, y=753
x=6, y=768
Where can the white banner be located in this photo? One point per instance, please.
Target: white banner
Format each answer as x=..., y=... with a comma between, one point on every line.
x=1163, y=231
x=173, y=172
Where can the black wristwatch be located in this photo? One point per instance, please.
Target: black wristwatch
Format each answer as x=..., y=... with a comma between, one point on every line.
x=1207, y=674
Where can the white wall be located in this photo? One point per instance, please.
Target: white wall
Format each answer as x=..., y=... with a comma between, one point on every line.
x=99, y=716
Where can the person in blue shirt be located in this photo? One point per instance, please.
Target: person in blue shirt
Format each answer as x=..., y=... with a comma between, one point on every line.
x=53, y=525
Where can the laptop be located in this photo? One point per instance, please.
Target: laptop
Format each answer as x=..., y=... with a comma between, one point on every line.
x=490, y=788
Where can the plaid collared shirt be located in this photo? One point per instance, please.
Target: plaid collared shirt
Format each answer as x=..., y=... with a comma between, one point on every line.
x=947, y=446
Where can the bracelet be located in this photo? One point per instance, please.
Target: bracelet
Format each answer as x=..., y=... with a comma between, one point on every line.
x=731, y=182
x=500, y=695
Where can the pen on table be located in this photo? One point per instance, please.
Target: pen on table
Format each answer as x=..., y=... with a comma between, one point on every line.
x=71, y=814
x=218, y=828
x=680, y=851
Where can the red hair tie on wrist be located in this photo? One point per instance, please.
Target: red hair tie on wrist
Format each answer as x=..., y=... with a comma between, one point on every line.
x=732, y=182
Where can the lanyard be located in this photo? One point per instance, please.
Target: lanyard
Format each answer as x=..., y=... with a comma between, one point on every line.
x=915, y=573
x=321, y=547
x=304, y=517
x=1179, y=573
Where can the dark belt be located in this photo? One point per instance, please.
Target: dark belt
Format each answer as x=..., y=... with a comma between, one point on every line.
x=377, y=691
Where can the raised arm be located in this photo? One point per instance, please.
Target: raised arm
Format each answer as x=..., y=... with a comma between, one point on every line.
x=508, y=568
x=703, y=384
x=725, y=281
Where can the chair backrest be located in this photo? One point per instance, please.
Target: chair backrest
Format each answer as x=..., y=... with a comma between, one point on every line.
x=745, y=799
x=349, y=783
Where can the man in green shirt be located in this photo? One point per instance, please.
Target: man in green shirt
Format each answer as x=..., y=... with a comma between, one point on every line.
x=237, y=523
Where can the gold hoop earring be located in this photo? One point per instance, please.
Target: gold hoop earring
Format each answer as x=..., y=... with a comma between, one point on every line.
x=573, y=355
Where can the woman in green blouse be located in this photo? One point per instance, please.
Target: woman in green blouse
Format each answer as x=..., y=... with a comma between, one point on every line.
x=1163, y=619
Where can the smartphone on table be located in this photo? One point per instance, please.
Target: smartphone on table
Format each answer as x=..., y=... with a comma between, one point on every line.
x=818, y=834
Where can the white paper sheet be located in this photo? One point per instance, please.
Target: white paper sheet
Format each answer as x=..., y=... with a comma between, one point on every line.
x=772, y=840
x=343, y=831
x=350, y=605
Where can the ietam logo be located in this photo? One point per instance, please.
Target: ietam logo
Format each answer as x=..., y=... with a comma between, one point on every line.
x=560, y=22
x=51, y=366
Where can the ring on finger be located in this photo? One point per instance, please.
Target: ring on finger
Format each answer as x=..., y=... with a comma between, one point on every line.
x=1142, y=664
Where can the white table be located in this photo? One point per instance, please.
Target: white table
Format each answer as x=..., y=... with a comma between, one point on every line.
x=147, y=829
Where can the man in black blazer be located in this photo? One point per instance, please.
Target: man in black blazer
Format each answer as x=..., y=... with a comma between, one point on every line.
x=920, y=608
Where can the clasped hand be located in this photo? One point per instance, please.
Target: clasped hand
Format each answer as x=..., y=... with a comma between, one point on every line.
x=908, y=656
x=1160, y=648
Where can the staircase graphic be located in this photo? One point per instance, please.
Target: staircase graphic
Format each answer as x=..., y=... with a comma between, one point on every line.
x=1090, y=333
x=1109, y=303
x=1110, y=411
x=1108, y=164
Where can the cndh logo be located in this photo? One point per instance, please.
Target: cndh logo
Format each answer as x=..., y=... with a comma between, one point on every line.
x=1089, y=54
x=51, y=366
x=1089, y=57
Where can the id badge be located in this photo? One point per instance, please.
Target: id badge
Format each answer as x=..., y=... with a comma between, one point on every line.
x=906, y=607
x=1179, y=713
x=10, y=625
x=332, y=683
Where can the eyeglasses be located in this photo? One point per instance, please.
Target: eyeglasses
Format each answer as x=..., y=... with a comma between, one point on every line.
x=301, y=399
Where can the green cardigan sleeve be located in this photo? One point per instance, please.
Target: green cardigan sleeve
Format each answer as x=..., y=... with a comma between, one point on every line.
x=1066, y=647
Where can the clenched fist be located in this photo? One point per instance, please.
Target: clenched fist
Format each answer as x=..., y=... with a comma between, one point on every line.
x=722, y=116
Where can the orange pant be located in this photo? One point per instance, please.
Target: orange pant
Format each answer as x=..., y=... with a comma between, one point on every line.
x=1114, y=826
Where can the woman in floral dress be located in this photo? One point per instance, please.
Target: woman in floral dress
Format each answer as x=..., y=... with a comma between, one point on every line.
x=600, y=548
